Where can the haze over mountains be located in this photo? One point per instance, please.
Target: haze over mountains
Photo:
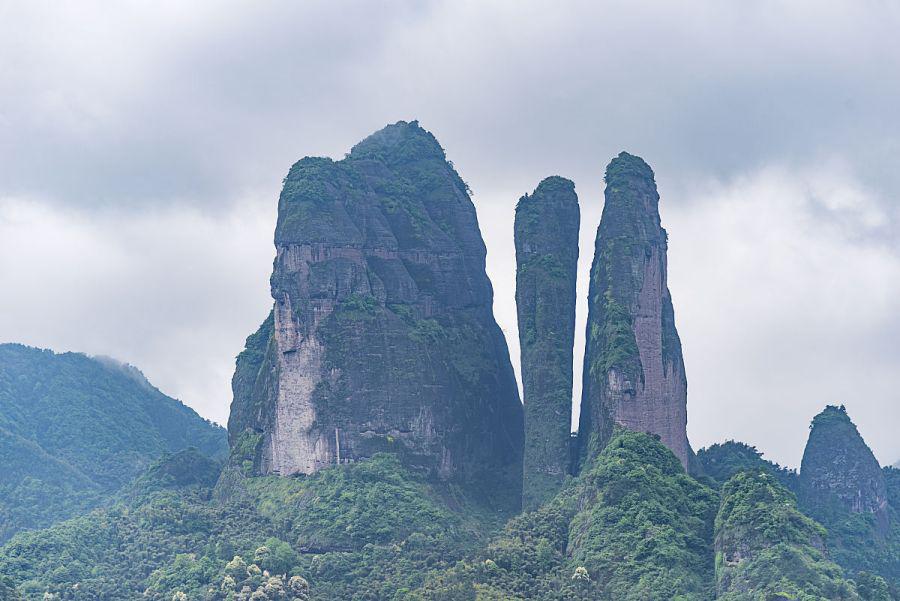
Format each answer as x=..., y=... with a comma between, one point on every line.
x=73, y=429
x=780, y=152
x=377, y=448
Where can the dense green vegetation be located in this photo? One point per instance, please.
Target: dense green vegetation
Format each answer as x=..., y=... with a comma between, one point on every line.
x=370, y=530
x=73, y=429
x=856, y=544
x=546, y=240
x=633, y=525
x=719, y=462
x=766, y=549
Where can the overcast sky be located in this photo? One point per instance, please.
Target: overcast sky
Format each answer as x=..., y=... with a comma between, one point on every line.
x=142, y=147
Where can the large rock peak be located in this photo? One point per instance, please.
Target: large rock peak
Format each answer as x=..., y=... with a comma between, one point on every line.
x=382, y=335
x=633, y=370
x=546, y=237
x=840, y=471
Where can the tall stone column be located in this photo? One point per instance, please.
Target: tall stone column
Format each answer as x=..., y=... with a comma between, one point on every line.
x=546, y=235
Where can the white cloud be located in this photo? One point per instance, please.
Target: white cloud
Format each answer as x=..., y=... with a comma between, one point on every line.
x=142, y=145
x=782, y=310
x=172, y=291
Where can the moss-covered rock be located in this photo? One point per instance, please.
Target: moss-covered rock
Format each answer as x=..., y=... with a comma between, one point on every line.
x=633, y=368
x=843, y=487
x=382, y=336
x=546, y=237
x=766, y=549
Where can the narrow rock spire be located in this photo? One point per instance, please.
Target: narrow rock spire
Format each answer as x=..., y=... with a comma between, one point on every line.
x=546, y=236
x=633, y=367
x=839, y=470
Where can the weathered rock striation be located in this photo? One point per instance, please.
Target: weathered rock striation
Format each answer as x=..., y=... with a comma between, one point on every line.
x=546, y=237
x=382, y=336
x=840, y=472
x=633, y=367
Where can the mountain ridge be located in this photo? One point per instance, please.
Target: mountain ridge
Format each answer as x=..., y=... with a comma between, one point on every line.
x=74, y=428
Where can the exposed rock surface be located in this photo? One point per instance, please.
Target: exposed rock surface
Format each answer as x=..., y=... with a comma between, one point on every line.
x=839, y=471
x=382, y=335
x=633, y=367
x=546, y=236
x=767, y=549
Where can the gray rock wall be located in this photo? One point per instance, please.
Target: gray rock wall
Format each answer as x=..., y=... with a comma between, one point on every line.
x=634, y=371
x=546, y=237
x=382, y=336
x=839, y=471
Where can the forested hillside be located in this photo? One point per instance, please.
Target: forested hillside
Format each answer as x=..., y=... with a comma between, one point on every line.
x=74, y=428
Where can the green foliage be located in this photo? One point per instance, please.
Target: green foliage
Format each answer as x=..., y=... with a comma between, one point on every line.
x=855, y=543
x=872, y=588
x=374, y=501
x=187, y=469
x=255, y=346
x=766, y=549
x=8, y=591
x=304, y=207
x=648, y=535
x=626, y=166
x=166, y=540
x=370, y=530
x=632, y=526
x=73, y=429
x=546, y=265
x=357, y=306
x=245, y=449
x=614, y=337
x=720, y=462
x=428, y=331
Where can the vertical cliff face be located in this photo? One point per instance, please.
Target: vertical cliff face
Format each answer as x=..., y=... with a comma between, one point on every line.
x=382, y=335
x=839, y=471
x=633, y=369
x=546, y=236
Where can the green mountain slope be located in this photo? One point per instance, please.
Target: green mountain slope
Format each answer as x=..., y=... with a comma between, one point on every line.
x=75, y=428
x=766, y=549
x=719, y=462
x=370, y=530
x=632, y=526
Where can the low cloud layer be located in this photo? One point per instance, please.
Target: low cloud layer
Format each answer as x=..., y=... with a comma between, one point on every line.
x=142, y=149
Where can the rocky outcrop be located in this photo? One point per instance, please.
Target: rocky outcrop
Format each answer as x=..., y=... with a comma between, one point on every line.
x=767, y=549
x=546, y=237
x=633, y=368
x=382, y=336
x=839, y=471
